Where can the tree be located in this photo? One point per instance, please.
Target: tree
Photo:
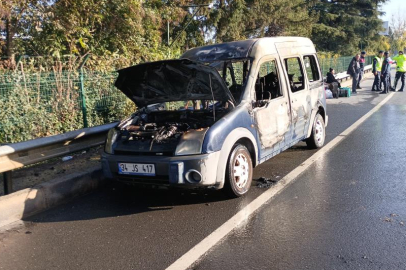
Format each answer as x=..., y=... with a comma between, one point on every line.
x=345, y=25
x=105, y=26
x=278, y=17
x=397, y=35
x=240, y=19
x=137, y=30
x=131, y=29
x=18, y=19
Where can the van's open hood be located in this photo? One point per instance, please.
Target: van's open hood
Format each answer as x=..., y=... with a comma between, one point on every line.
x=172, y=80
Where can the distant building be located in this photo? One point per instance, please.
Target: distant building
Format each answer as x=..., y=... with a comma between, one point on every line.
x=385, y=26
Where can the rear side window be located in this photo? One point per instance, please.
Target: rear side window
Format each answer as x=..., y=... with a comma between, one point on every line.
x=311, y=68
x=295, y=74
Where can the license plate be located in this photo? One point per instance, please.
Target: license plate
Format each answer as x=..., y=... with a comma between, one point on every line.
x=136, y=169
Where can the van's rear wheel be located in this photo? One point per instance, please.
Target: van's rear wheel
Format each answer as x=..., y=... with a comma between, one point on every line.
x=238, y=172
x=318, y=136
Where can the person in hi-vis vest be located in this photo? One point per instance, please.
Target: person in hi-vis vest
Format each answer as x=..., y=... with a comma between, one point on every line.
x=376, y=70
x=400, y=70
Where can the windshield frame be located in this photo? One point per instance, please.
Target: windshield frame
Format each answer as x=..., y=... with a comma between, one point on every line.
x=247, y=66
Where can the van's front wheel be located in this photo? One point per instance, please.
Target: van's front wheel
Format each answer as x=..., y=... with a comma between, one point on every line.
x=238, y=172
x=318, y=136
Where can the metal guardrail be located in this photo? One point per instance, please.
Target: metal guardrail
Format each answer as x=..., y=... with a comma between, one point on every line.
x=344, y=76
x=18, y=155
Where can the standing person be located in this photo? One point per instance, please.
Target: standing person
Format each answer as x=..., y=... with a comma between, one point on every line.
x=376, y=70
x=353, y=70
x=400, y=70
x=385, y=74
x=362, y=65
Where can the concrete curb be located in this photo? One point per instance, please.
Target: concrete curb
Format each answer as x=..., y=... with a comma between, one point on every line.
x=29, y=201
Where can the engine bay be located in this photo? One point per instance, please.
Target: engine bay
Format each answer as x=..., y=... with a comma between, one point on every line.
x=162, y=129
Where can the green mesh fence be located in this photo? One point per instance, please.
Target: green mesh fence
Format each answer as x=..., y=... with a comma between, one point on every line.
x=34, y=105
x=41, y=98
x=339, y=64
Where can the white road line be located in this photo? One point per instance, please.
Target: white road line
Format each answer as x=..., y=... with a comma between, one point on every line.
x=211, y=240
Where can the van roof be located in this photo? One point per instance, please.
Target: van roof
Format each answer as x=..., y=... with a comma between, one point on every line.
x=241, y=49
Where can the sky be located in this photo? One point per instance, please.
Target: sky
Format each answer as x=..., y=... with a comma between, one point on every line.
x=392, y=7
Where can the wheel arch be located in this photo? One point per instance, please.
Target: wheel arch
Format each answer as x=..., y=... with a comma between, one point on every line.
x=242, y=136
x=322, y=112
x=320, y=109
x=250, y=147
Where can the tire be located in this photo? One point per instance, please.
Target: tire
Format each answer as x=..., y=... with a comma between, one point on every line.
x=318, y=136
x=239, y=162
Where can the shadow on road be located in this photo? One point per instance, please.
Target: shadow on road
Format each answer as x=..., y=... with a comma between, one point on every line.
x=116, y=199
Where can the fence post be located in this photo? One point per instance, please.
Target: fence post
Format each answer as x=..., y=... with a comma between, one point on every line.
x=18, y=59
x=8, y=182
x=343, y=64
x=82, y=91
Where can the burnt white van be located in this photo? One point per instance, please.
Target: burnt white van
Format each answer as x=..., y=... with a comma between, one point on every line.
x=208, y=118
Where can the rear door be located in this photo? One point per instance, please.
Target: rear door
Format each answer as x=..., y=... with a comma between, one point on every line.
x=315, y=81
x=300, y=100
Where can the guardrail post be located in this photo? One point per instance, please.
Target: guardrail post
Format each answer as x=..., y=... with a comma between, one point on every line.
x=82, y=92
x=8, y=182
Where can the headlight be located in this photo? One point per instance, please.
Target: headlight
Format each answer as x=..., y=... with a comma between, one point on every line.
x=191, y=142
x=111, y=139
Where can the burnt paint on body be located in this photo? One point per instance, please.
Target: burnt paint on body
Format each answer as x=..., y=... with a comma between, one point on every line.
x=217, y=134
x=241, y=117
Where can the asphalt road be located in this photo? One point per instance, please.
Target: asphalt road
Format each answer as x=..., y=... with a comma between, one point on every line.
x=345, y=212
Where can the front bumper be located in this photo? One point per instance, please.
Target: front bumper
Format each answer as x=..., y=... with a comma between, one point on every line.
x=178, y=170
